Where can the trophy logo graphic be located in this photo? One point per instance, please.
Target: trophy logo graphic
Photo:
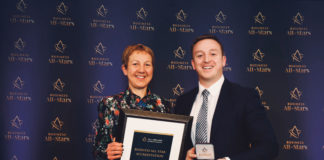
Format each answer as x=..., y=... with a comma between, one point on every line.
x=57, y=124
x=60, y=46
x=220, y=17
x=298, y=19
x=181, y=16
x=180, y=53
x=18, y=83
x=258, y=55
x=294, y=132
x=295, y=94
x=297, y=56
x=62, y=8
x=20, y=44
x=260, y=92
x=100, y=49
x=102, y=11
x=21, y=6
x=204, y=149
x=178, y=90
x=259, y=18
x=144, y=139
x=58, y=85
x=141, y=14
x=16, y=122
x=98, y=87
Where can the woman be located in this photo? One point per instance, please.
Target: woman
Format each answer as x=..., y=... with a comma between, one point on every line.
x=137, y=65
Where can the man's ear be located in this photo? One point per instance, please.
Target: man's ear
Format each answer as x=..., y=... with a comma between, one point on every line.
x=193, y=64
x=124, y=69
x=224, y=61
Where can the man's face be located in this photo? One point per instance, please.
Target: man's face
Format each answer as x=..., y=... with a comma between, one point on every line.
x=208, y=61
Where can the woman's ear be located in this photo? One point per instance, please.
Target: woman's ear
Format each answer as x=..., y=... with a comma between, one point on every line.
x=124, y=69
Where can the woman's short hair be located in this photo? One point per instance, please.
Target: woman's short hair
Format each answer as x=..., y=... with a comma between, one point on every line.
x=136, y=47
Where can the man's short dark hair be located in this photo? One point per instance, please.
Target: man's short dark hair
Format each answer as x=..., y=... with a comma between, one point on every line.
x=207, y=36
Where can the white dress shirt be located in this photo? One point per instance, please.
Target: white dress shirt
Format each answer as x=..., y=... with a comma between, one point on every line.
x=214, y=91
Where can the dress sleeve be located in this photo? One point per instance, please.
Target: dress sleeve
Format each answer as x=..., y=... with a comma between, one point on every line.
x=167, y=105
x=103, y=130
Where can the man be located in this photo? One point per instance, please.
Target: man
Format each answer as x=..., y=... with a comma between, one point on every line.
x=225, y=114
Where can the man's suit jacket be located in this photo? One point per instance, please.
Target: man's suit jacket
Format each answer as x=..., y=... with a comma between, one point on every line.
x=240, y=128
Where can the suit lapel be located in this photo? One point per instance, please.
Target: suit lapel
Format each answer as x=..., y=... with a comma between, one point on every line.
x=223, y=101
x=190, y=100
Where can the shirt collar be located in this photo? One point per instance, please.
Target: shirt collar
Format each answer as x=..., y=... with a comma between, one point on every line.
x=213, y=89
x=129, y=93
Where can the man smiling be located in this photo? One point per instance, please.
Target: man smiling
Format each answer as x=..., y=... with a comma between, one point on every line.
x=225, y=114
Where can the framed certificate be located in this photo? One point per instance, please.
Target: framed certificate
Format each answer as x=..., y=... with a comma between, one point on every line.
x=152, y=135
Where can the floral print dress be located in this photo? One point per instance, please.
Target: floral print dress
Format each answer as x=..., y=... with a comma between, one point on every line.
x=108, y=114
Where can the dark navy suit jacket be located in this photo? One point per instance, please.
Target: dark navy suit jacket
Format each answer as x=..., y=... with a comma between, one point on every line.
x=240, y=128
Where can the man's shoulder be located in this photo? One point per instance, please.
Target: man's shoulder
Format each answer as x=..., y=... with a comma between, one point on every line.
x=236, y=88
x=189, y=94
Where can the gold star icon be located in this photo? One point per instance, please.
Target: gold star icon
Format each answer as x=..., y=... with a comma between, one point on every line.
x=16, y=122
x=258, y=55
x=178, y=90
x=60, y=46
x=295, y=94
x=294, y=132
x=100, y=49
x=102, y=11
x=297, y=56
x=98, y=87
x=299, y=19
x=18, y=83
x=62, y=8
x=57, y=124
x=20, y=44
x=181, y=16
x=220, y=17
x=21, y=6
x=58, y=85
x=259, y=18
x=141, y=14
x=180, y=53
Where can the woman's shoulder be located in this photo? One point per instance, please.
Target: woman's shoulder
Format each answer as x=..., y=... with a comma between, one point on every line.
x=157, y=97
x=108, y=101
x=162, y=102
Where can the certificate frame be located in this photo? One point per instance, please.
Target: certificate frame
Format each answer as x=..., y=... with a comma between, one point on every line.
x=132, y=121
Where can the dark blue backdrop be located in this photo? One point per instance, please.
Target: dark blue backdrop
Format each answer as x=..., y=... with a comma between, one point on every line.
x=59, y=58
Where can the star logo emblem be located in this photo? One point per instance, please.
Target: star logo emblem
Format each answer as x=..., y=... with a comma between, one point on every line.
x=258, y=55
x=178, y=90
x=181, y=16
x=57, y=124
x=294, y=132
x=259, y=18
x=180, y=53
x=141, y=14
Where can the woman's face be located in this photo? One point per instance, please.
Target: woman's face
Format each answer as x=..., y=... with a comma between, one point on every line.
x=139, y=70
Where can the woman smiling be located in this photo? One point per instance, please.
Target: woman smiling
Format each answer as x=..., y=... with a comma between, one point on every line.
x=137, y=66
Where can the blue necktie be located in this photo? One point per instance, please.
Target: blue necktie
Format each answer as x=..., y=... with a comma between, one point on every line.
x=201, y=125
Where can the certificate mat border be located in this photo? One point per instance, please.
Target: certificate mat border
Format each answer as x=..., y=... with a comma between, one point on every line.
x=154, y=116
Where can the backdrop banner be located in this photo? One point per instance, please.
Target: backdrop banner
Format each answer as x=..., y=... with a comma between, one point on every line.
x=59, y=58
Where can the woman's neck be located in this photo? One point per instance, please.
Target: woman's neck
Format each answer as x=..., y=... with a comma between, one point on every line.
x=141, y=92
